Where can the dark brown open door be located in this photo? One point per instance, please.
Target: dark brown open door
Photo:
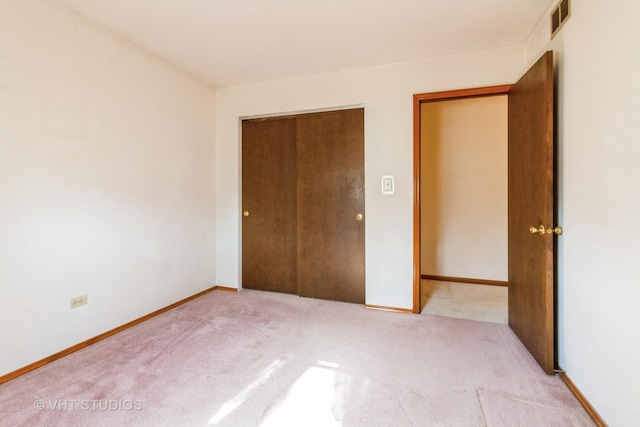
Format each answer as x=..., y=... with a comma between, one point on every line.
x=531, y=211
x=331, y=205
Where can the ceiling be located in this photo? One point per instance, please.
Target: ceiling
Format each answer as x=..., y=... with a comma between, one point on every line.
x=231, y=42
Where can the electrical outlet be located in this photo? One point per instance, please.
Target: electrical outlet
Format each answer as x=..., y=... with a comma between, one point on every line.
x=78, y=301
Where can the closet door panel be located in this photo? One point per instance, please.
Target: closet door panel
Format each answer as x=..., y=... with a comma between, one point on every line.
x=330, y=247
x=269, y=205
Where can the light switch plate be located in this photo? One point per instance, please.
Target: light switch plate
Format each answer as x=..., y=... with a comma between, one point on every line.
x=388, y=185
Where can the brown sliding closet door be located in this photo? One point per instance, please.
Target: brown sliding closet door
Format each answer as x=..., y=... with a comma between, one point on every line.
x=303, y=205
x=269, y=204
x=330, y=200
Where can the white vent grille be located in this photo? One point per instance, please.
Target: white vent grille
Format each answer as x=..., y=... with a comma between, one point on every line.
x=559, y=16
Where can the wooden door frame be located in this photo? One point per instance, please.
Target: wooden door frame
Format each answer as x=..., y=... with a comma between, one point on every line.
x=418, y=100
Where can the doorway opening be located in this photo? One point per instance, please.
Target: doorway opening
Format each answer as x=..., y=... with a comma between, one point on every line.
x=460, y=203
x=532, y=232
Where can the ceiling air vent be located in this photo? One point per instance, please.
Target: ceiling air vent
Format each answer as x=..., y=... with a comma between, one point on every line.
x=559, y=16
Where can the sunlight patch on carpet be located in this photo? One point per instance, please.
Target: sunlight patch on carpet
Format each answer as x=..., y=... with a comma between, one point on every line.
x=309, y=401
x=232, y=404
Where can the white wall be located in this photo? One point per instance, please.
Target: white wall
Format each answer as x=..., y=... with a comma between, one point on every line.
x=106, y=182
x=463, y=189
x=386, y=94
x=598, y=66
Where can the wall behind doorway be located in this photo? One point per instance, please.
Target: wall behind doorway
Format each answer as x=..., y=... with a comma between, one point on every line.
x=464, y=188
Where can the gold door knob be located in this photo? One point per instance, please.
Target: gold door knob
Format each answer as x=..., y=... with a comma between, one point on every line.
x=245, y=214
x=359, y=217
x=542, y=230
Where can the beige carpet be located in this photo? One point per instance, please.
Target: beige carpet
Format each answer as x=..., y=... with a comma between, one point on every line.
x=265, y=359
x=465, y=301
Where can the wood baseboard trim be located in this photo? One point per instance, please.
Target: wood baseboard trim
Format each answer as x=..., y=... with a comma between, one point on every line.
x=15, y=374
x=383, y=308
x=224, y=288
x=582, y=399
x=464, y=280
